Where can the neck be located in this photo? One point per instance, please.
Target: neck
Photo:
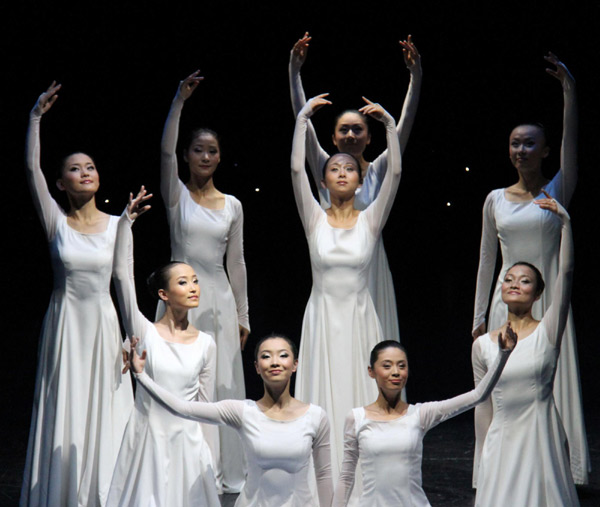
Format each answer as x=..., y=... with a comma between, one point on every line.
x=340, y=207
x=201, y=186
x=520, y=318
x=83, y=209
x=276, y=395
x=532, y=181
x=390, y=402
x=175, y=319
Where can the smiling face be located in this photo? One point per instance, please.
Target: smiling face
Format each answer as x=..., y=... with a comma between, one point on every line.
x=203, y=155
x=351, y=134
x=520, y=286
x=79, y=175
x=390, y=370
x=275, y=361
x=182, y=289
x=527, y=147
x=342, y=174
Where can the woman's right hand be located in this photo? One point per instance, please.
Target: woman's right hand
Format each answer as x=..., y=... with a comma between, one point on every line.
x=509, y=340
x=136, y=362
x=188, y=85
x=46, y=99
x=299, y=51
x=561, y=72
x=134, y=207
x=315, y=104
x=552, y=205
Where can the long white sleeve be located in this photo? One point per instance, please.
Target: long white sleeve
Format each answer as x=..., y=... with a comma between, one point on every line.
x=321, y=451
x=236, y=265
x=47, y=208
x=169, y=177
x=487, y=261
x=208, y=375
x=568, y=149
x=484, y=411
x=345, y=484
x=226, y=412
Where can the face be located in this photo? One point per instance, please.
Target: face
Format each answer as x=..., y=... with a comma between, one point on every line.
x=342, y=175
x=390, y=370
x=519, y=286
x=79, y=175
x=351, y=134
x=275, y=361
x=183, y=290
x=203, y=155
x=527, y=147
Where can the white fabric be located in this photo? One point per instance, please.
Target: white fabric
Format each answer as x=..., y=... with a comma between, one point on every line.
x=524, y=460
x=203, y=237
x=164, y=460
x=340, y=325
x=278, y=452
x=527, y=233
x=391, y=452
x=81, y=401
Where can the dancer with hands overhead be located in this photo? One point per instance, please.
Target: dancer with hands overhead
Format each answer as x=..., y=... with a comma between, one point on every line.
x=340, y=324
x=82, y=400
x=279, y=433
x=529, y=233
x=352, y=135
x=524, y=460
x=206, y=226
x=164, y=460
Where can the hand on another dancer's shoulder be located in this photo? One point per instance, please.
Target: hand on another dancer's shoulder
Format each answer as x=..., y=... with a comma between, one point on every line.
x=47, y=99
x=552, y=205
x=189, y=85
x=478, y=331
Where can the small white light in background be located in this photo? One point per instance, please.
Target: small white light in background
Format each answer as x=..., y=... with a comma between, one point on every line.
x=257, y=189
x=106, y=201
x=467, y=169
x=448, y=204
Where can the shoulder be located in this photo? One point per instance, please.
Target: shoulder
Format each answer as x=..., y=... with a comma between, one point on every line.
x=207, y=341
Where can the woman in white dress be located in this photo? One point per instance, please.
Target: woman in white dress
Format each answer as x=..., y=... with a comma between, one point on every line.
x=340, y=325
x=528, y=233
x=525, y=458
x=82, y=400
x=207, y=225
x=164, y=460
x=387, y=436
x=351, y=135
x=279, y=433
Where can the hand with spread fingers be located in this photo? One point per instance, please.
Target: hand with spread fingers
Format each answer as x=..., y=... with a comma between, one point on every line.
x=189, y=85
x=412, y=58
x=47, y=99
x=560, y=72
x=299, y=51
x=135, y=208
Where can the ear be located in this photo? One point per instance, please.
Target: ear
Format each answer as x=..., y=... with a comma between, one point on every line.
x=256, y=366
x=163, y=295
x=369, y=139
x=323, y=185
x=546, y=151
x=333, y=140
x=371, y=372
x=185, y=157
x=59, y=184
x=295, y=366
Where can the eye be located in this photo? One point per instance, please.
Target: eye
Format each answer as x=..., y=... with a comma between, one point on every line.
x=344, y=130
x=357, y=129
x=284, y=354
x=264, y=356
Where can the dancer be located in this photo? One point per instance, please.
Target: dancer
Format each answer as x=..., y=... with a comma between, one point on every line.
x=164, y=460
x=388, y=435
x=82, y=400
x=279, y=433
x=525, y=459
x=205, y=226
x=352, y=135
x=340, y=324
x=528, y=233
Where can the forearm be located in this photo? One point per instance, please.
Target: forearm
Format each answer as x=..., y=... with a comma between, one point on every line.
x=568, y=151
x=169, y=178
x=409, y=109
x=296, y=89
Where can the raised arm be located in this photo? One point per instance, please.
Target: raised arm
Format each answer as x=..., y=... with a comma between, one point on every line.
x=236, y=270
x=487, y=263
x=555, y=318
x=438, y=411
x=568, y=149
x=169, y=177
x=345, y=484
x=315, y=154
x=321, y=451
x=307, y=206
x=134, y=321
x=45, y=205
x=379, y=210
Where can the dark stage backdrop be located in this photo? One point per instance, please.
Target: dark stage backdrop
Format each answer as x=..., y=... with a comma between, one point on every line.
x=120, y=66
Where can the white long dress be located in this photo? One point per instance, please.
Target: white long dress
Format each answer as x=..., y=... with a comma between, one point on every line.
x=202, y=238
x=380, y=282
x=340, y=325
x=527, y=233
x=525, y=459
x=391, y=452
x=164, y=460
x=82, y=401
x=278, y=452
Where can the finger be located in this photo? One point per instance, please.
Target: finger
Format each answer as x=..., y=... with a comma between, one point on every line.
x=547, y=194
x=367, y=100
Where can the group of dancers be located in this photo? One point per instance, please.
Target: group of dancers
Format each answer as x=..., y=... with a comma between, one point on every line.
x=349, y=436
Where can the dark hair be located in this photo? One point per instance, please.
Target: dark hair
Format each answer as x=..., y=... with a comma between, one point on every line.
x=293, y=346
x=159, y=278
x=360, y=176
x=364, y=117
x=386, y=344
x=197, y=132
x=535, y=124
x=63, y=162
x=540, y=285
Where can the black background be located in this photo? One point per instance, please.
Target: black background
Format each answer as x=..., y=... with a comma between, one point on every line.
x=120, y=67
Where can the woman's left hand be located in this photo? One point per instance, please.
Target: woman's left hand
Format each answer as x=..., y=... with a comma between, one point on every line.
x=552, y=205
x=373, y=110
x=244, y=333
x=508, y=341
x=136, y=362
x=135, y=208
x=412, y=58
x=561, y=72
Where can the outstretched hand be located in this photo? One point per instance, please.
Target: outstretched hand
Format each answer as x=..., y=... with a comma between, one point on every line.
x=189, y=84
x=373, y=110
x=135, y=208
x=509, y=340
x=561, y=72
x=46, y=100
x=412, y=58
x=300, y=50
